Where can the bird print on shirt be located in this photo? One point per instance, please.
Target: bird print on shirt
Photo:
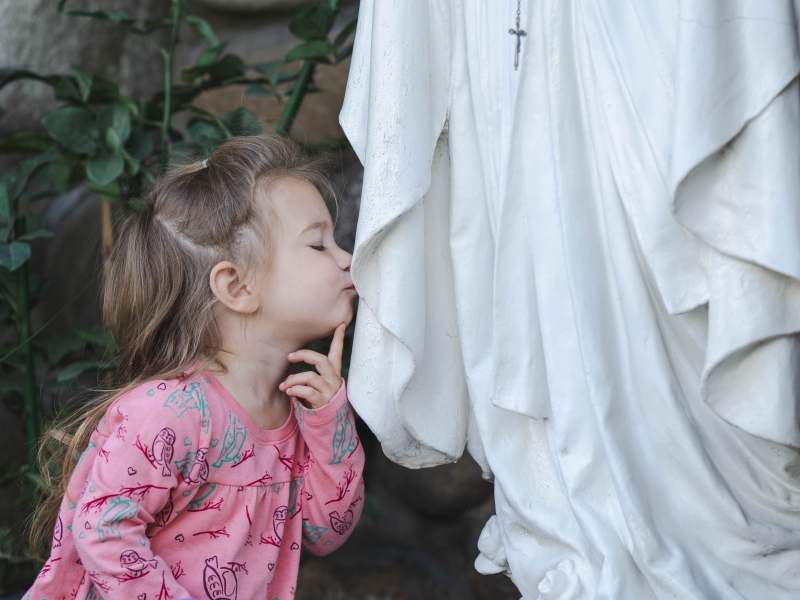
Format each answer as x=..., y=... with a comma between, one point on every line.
x=135, y=564
x=162, y=450
x=344, y=437
x=219, y=582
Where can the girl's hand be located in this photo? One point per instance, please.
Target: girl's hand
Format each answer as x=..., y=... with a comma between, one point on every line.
x=316, y=389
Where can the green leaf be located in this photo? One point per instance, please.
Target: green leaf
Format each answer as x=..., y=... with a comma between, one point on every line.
x=14, y=255
x=6, y=183
x=209, y=56
x=72, y=126
x=109, y=191
x=34, y=221
x=313, y=23
x=120, y=18
x=343, y=53
x=204, y=133
x=65, y=173
x=242, y=122
x=104, y=90
x=284, y=76
x=60, y=345
x=203, y=29
x=102, y=341
x=228, y=66
x=129, y=104
x=139, y=145
x=345, y=33
x=259, y=91
x=35, y=235
x=84, y=80
x=27, y=169
x=209, y=115
x=267, y=68
x=155, y=24
x=77, y=368
x=113, y=142
x=314, y=49
x=6, y=222
x=26, y=141
x=66, y=89
x=104, y=168
x=114, y=117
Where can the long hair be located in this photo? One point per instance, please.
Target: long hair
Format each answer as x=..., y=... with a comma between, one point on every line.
x=157, y=301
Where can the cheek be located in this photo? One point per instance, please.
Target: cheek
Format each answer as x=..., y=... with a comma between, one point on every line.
x=304, y=285
x=312, y=282
x=325, y=280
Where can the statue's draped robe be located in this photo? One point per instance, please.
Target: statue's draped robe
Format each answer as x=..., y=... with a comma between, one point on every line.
x=588, y=272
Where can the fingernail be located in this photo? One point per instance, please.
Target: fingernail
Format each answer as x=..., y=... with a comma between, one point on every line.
x=291, y=354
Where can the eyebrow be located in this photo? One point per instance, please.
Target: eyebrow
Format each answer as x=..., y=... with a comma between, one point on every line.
x=315, y=225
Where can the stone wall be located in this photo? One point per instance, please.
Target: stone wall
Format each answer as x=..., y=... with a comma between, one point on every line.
x=34, y=36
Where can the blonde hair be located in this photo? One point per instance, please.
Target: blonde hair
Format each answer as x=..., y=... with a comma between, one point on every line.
x=157, y=300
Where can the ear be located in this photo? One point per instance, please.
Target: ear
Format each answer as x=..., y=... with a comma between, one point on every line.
x=229, y=285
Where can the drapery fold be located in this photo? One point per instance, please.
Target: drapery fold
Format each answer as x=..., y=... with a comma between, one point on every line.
x=402, y=255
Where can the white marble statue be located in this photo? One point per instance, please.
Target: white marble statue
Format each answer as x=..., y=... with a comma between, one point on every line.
x=586, y=271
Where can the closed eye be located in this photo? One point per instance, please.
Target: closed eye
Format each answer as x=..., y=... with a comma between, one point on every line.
x=319, y=248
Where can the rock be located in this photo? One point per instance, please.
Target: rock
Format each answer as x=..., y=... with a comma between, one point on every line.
x=443, y=491
x=373, y=572
x=63, y=41
x=254, y=6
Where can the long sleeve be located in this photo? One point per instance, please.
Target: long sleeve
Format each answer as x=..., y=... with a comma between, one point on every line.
x=333, y=484
x=131, y=484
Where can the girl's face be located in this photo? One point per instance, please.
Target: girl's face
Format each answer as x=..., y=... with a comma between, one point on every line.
x=308, y=291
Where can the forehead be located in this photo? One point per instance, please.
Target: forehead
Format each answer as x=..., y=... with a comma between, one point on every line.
x=296, y=203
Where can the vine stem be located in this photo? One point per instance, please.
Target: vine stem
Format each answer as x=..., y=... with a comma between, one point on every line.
x=31, y=400
x=106, y=236
x=296, y=99
x=169, y=59
x=298, y=93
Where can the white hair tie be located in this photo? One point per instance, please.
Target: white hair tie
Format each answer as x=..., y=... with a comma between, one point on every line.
x=205, y=163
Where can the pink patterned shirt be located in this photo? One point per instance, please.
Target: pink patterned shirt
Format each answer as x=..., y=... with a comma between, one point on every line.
x=180, y=494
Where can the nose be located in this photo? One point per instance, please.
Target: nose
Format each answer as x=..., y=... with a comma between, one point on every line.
x=344, y=259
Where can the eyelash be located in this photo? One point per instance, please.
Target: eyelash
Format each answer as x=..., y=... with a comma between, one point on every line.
x=319, y=248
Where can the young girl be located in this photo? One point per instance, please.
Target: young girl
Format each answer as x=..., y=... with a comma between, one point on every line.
x=205, y=475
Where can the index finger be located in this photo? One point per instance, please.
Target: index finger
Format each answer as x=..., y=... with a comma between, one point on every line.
x=320, y=361
x=337, y=345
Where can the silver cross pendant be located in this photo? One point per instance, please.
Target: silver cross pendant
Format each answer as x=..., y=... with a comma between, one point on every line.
x=520, y=34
